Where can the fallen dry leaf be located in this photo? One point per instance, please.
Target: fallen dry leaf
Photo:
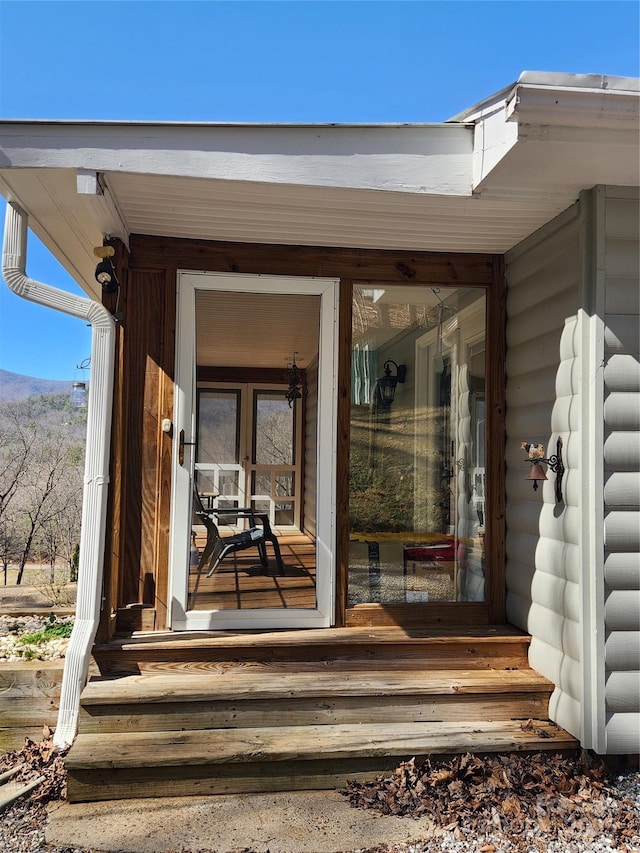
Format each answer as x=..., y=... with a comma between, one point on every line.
x=568, y=798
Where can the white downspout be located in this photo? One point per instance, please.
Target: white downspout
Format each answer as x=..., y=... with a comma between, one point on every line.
x=96, y=472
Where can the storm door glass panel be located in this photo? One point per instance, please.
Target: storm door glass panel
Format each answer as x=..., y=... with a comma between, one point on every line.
x=416, y=476
x=237, y=337
x=218, y=467
x=273, y=457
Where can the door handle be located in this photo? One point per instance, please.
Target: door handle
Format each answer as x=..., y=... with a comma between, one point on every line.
x=181, y=446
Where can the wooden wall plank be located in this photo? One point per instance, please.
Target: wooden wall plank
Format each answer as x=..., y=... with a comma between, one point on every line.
x=144, y=361
x=443, y=268
x=440, y=614
x=164, y=455
x=242, y=375
x=116, y=501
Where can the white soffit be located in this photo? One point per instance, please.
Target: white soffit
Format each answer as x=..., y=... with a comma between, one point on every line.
x=60, y=219
x=268, y=213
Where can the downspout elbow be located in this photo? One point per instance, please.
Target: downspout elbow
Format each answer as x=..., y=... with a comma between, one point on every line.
x=96, y=477
x=14, y=260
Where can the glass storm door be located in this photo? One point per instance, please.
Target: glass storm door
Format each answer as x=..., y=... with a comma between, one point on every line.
x=239, y=443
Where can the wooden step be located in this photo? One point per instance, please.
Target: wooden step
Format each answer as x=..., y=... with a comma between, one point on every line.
x=254, y=684
x=475, y=648
x=150, y=764
x=246, y=698
x=258, y=711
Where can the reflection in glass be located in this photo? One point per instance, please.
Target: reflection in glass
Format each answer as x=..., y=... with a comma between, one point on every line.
x=416, y=476
x=274, y=430
x=218, y=436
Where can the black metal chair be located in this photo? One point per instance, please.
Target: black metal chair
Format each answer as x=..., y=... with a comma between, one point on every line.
x=218, y=547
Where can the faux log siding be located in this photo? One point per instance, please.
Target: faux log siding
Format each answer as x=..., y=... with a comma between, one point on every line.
x=310, y=450
x=542, y=365
x=621, y=225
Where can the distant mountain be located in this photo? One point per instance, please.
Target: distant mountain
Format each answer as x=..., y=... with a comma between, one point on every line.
x=14, y=386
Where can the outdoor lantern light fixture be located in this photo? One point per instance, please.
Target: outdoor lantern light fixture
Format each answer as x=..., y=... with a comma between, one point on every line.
x=386, y=385
x=536, y=459
x=294, y=391
x=79, y=386
x=105, y=273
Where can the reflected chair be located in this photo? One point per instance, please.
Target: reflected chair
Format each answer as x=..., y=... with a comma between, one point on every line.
x=218, y=547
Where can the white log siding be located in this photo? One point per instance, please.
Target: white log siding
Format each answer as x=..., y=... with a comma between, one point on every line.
x=573, y=371
x=543, y=573
x=616, y=214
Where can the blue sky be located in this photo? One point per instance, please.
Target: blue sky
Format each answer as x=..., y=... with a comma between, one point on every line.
x=271, y=61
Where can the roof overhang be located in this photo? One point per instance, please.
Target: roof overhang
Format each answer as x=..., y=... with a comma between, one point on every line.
x=552, y=135
x=481, y=182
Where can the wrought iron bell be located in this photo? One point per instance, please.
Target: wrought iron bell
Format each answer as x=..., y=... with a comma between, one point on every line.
x=536, y=472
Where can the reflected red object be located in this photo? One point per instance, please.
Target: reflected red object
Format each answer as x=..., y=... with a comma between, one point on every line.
x=440, y=551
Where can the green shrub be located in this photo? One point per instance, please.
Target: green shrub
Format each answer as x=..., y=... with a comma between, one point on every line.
x=53, y=631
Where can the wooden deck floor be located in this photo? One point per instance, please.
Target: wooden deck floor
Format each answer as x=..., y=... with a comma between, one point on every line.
x=242, y=583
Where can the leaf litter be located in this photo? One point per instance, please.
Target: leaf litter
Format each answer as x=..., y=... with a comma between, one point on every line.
x=506, y=802
x=38, y=760
x=530, y=801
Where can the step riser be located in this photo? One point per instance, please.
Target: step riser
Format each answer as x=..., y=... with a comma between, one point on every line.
x=207, y=715
x=496, y=655
x=203, y=780
x=95, y=785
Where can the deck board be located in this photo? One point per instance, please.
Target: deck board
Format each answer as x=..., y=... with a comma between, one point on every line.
x=228, y=714
x=361, y=635
x=242, y=583
x=294, y=743
x=254, y=684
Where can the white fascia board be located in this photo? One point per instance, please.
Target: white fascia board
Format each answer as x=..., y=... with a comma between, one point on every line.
x=558, y=79
x=494, y=137
x=434, y=159
x=550, y=138
x=569, y=106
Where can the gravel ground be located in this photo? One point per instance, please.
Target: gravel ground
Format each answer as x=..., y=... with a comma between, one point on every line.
x=22, y=830
x=13, y=630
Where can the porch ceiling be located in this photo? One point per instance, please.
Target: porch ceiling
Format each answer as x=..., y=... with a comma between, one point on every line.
x=71, y=224
x=322, y=216
x=230, y=329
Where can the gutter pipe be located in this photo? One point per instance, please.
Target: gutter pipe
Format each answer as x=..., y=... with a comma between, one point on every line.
x=96, y=473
